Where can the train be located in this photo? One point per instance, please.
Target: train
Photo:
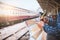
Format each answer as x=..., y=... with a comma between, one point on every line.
x=10, y=15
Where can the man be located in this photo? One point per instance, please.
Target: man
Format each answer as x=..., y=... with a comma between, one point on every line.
x=52, y=29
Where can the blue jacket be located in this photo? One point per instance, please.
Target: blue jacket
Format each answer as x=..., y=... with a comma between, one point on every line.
x=49, y=29
x=52, y=30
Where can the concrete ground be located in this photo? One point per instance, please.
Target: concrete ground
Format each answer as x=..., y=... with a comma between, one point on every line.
x=26, y=37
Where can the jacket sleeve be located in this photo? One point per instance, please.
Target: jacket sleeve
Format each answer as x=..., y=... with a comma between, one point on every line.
x=45, y=27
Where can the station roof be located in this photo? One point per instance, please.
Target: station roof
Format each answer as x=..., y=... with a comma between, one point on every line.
x=49, y=5
x=58, y=1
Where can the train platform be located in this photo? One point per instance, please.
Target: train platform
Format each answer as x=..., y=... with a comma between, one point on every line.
x=29, y=20
x=27, y=30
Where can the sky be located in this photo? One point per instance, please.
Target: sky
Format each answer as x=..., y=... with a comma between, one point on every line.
x=25, y=4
